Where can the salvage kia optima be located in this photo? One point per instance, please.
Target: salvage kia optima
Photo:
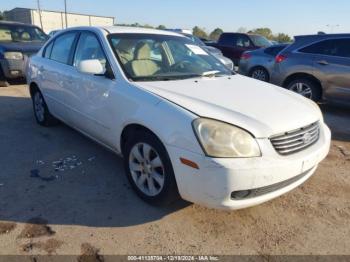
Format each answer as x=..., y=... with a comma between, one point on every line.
x=184, y=124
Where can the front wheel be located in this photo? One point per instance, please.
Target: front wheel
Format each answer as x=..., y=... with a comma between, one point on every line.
x=149, y=169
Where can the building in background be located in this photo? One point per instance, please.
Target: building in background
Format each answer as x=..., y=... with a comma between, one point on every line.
x=54, y=20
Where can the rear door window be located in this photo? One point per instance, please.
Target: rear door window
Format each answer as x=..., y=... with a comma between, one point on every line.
x=342, y=47
x=62, y=48
x=331, y=47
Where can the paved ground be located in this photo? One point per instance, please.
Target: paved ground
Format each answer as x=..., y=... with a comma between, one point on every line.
x=91, y=207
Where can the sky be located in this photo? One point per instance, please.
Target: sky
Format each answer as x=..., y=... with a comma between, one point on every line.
x=293, y=17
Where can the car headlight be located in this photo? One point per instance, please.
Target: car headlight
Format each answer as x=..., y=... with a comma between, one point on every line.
x=13, y=55
x=222, y=140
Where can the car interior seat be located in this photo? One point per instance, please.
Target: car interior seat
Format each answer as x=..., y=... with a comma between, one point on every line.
x=143, y=65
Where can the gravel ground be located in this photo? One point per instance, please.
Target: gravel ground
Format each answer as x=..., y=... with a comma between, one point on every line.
x=87, y=206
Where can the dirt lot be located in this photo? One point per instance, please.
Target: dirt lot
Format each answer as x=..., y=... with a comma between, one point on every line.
x=89, y=206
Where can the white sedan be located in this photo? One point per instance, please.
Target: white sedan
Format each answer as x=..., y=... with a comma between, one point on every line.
x=184, y=124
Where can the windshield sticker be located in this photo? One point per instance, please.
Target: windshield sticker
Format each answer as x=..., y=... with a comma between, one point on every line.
x=197, y=50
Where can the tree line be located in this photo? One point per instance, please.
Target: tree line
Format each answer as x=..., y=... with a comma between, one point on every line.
x=267, y=32
x=215, y=34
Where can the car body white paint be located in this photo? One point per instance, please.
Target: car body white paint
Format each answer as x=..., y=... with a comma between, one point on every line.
x=101, y=108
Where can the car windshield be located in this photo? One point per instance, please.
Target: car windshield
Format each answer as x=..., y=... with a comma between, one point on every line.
x=151, y=57
x=19, y=33
x=260, y=41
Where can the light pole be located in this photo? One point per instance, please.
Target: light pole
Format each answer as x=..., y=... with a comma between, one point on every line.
x=65, y=12
x=332, y=27
x=39, y=11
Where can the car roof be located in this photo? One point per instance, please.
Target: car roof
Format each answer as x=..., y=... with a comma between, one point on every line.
x=137, y=30
x=15, y=23
x=324, y=35
x=320, y=36
x=123, y=30
x=236, y=33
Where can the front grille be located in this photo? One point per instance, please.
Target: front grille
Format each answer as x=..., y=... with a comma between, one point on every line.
x=296, y=140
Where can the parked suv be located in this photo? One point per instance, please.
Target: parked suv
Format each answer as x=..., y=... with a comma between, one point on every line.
x=233, y=45
x=259, y=63
x=17, y=42
x=317, y=67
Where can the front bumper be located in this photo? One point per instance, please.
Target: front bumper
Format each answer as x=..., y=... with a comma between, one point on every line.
x=266, y=177
x=13, y=68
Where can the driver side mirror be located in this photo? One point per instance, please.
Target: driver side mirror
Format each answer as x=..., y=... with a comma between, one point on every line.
x=91, y=66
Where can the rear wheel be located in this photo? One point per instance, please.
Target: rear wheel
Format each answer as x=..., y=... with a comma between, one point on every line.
x=41, y=111
x=3, y=81
x=149, y=169
x=306, y=88
x=260, y=73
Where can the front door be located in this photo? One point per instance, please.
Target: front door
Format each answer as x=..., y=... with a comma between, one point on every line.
x=94, y=114
x=334, y=68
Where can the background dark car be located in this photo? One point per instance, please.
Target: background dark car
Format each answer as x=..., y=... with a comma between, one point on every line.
x=233, y=45
x=317, y=67
x=17, y=42
x=259, y=63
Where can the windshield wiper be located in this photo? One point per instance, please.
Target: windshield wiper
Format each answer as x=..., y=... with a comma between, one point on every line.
x=210, y=73
x=213, y=73
x=154, y=78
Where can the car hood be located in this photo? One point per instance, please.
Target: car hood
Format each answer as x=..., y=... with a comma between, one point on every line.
x=25, y=47
x=261, y=108
x=212, y=50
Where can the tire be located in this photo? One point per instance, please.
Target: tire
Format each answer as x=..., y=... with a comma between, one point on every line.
x=260, y=73
x=154, y=183
x=41, y=112
x=4, y=84
x=3, y=81
x=306, y=87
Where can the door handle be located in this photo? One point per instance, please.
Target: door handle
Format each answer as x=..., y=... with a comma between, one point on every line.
x=323, y=62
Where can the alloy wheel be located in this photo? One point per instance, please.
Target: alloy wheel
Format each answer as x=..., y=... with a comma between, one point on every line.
x=39, y=107
x=147, y=169
x=259, y=74
x=302, y=89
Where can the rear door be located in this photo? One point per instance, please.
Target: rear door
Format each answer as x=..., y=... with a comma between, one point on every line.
x=332, y=67
x=56, y=74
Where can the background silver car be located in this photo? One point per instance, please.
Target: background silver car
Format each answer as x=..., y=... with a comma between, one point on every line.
x=210, y=49
x=259, y=63
x=317, y=67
